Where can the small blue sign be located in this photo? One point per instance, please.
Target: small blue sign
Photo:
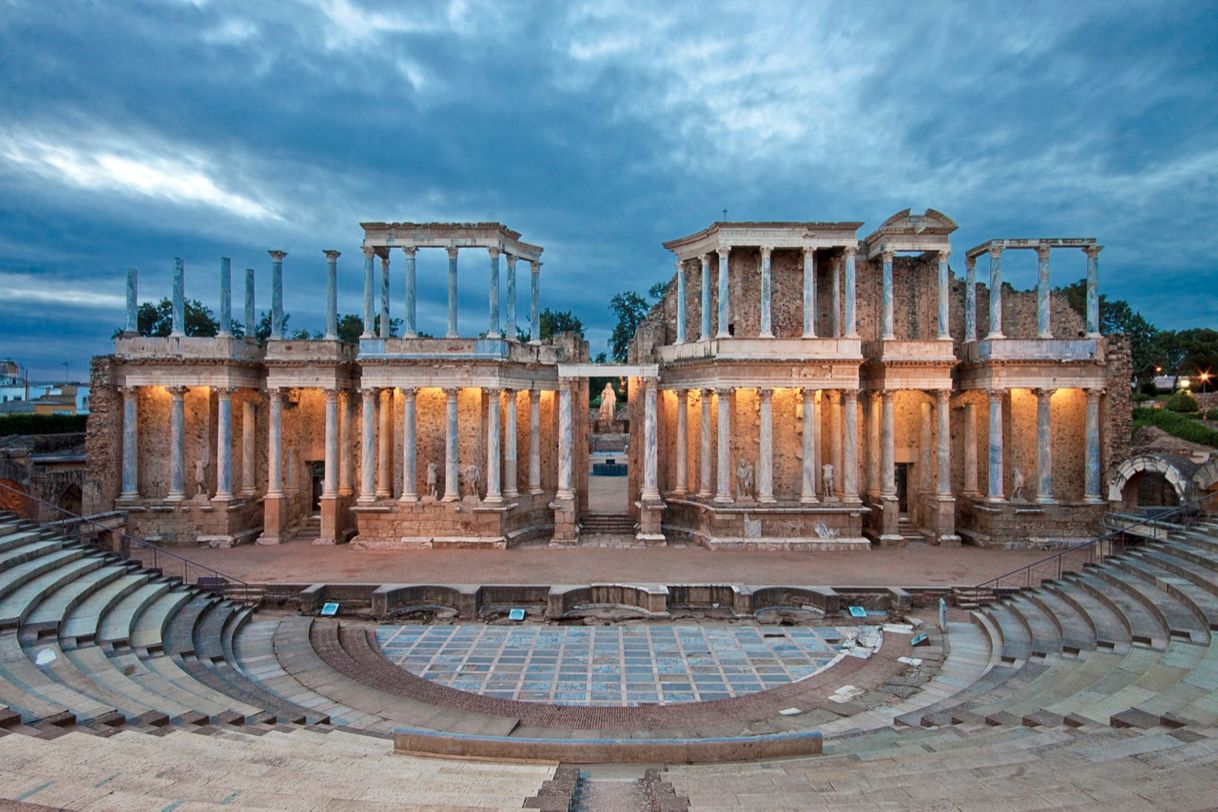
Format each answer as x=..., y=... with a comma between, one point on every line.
x=516, y=614
x=329, y=609
x=858, y=611
x=919, y=640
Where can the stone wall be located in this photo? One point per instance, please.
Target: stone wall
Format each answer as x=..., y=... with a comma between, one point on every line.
x=103, y=439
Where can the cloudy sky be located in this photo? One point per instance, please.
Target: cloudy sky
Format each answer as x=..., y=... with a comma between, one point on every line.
x=134, y=132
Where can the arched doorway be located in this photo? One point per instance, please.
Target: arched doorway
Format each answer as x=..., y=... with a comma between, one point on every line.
x=70, y=500
x=1151, y=480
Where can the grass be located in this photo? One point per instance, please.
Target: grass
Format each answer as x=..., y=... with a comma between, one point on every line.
x=1177, y=425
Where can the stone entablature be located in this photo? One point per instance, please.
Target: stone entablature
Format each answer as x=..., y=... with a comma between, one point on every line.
x=905, y=232
x=794, y=350
x=772, y=235
x=456, y=349
x=446, y=235
x=217, y=348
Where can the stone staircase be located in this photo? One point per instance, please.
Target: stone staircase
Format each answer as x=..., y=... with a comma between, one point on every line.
x=307, y=531
x=908, y=531
x=607, y=524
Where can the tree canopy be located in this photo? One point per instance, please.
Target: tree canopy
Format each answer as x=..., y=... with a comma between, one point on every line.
x=630, y=309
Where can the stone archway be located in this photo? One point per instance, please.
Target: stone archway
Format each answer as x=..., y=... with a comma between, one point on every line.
x=1206, y=477
x=1123, y=490
x=70, y=500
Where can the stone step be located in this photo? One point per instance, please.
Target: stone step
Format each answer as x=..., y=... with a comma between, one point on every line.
x=18, y=602
x=1171, y=612
x=1110, y=633
x=47, y=613
x=1144, y=626
x=83, y=621
x=117, y=623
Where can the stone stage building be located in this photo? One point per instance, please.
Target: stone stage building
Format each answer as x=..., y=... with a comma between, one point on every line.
x=797, y=387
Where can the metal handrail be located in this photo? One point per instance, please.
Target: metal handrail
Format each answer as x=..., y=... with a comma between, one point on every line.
x=215, y=579
x=1093, y=548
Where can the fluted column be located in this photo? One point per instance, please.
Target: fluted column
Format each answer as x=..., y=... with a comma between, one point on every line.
x=724, y=294
x=835, y=312
x=224, y=443
x=944, y=292
x=131, y=443
x=1093, y=290
x=226, y=298
x=509, y=443
x=492, y=329
x=411, y=327
x=809, y=302
x=705, y=334
x=510, y=329
x=277, y=293
x=452, y=490
x=177, y=444
x=534, y=302
x=723, y=492
x=970, y=299
x=766, y=330
x=535, y=441
x=850, y=443
x=179, y=298
x=384, y=445
x=994, y=487
x=995, y=292
x=410, y=488
x=1043, y=327
x=807, y=478
x=131, y=326
x=970, y=450
x=651, y=486
x=852, y=330
x=369, y=293
x=346, y=446
x=332, y=294
x=367, y=451
x=943, y=477
x=1091, y=474
x=886, y=325
x=329, y=485
x=1044, y=446
x=251, y=319
x=680, y=304
x=249, y=484
x=452, y=297
x=704, y=446
x=274, y=442
x=494, y=456
x=765, y=452
x=681, y=486
x=566, y=487
x=835, y=441
x=888, y=486
x=383, y=328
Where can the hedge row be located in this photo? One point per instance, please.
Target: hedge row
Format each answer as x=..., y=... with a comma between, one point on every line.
x=42, y=423
x=1177, y=425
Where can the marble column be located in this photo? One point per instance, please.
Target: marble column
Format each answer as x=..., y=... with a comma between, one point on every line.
x=706, y=299
x=534, y=302
x=249, y=424
x=535, y=442
x=566, y=487
x=329, y=486
x=886, y=325
x=345, y=444
x=1044, y=446
x=765, y=453
x=226, y=298
x=835, y=441
x=809, y=302
x=411, y=327
x=277, y=293
x=369, y=293
x=995, y=293
x=651, y=489
x=725, y=314
x=1091, y=474
x=1093, y=290
x=852, y=330
x=970, y=450
x=835, y=312
x=452, y=295
x=494, y=451
x=383, y=327
x=704, y=446
x=367, y=451
x=384, y=444
x=177, y=444
x=510, y=329
x=410, y=450
x=888, y=487
x=492, y=329
x=1043, y=327
x=274, y=435
x=131, y=443
x=331, y=294
x=925, y=472
x=994, y=485
x=874, y=477
x=224, y=444
x=452, y=488
x=850, y=461
x=944, y=292
x=179, y=298
x=251, y=318
x=807, y=478
x=680, y=488
x=970, y=298
x=943, y=477
x=132, y=326
x=766, y=330
x=680, y=304
x=723, y=492
x=510, y=442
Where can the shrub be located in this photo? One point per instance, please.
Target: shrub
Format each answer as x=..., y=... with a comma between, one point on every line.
x=1183, y=401
x=42, y=424
x=1212, y=414
x=1177, y=425
x=1142, y=397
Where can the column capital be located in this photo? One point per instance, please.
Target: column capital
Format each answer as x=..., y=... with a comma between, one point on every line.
x=176, y=391
x=331, y=254
x=1092, y=250
x=1094, y=391
x=385, y=260
x=850, y=394
x=849, y=250
x=1042, y=252
x=943, y=395
x=723, y=251
x=994, y=393
x=331, y=393
x=369, y=251
x=410, y=250
x=129, y=391
x=277, y=255
x=834, y=395
x=706, y=260
x=224, y=391
x=887, y=252
x=945, y=255
x=408, y=392
x=808, y=250
x=970, y=262
x=494, y=251
x=536, y=265
x=1042, y=391
x=766, y=251
x=724, y=391
x=995, y=251
x=887, y=395
x=452, y=251
x=511, y=259
x=450, y=391
x=765, y=392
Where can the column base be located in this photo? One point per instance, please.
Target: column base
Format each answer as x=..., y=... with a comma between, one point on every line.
x=365, y=501
x=722, y=500
x=494, y=499
x=1046, y=500
x=767, y=500
x=536, y=491
x=1095, y=500
x=511, y=494
x=809, y=500
x=128, y=497
x=176, y=497
x=997, y=500
x=408, y=498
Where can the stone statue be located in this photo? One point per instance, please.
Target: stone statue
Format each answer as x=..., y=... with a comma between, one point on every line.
x=201, y=477
x=1017, y=483
x=826, y=478
x=744, y=479
x=608, y=410
x=472, y=473
x=431, y=479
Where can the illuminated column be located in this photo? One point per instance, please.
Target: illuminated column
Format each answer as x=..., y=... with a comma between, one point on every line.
x=835, y=312
x=566, y=487
x=534, y=302
x=249, y=485
x=277, y=293
x=131, y=443
x=886, y=325
x=251, y=319
x=850, y=463
x=994, y=485
x=970, y=450
x=1091, y=478
x=332, y=294
x=274, y=451
x=345, y=445
x=888, y=487
x=679, y=489
x=534, y=441
x=680, y=304
x=452, y=300
x=1044, y=446
x=723, y=449
x=384, y=445
x=943, y=477
x=131, y=326
x=177, y=444
x=226, y=298
x=970, y=298
x=367, y=471
x=926, y=473
x=329, y=487
x=1093, y=290
x=765, y=455
x=766, y=330
x=944, y=291
x=494, y=456
x=492, y=330
x=835, y=440
x=724, y=294
x=995, y=292
x=807, y=487
x=704, y=446
x=509, y=442
x=852, y=330
x=809, y=292
x=410, y=490
x=651, y=489
x=1043, y=327
x=874, y=481
x=369, y=293
x=510, y=329
x=224, y=443
x=452, y=490
x=383, y=332
x=706, y=299
x=179, y=298
x=411, y=328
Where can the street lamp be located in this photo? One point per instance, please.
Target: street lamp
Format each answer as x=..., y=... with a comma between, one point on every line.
x=1205, y=380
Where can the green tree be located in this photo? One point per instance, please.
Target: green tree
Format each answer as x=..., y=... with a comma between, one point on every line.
x=157, y=319
x=630, y=309
x=553, y=322
x=1117, y=316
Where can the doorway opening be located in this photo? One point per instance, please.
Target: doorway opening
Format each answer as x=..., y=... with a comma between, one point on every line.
x=317, y=475
x=902, y=478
